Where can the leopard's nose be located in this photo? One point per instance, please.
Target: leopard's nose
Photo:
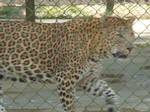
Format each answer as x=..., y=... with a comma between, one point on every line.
x=129, y=49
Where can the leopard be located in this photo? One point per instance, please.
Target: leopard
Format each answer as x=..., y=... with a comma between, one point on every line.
x=68, y=54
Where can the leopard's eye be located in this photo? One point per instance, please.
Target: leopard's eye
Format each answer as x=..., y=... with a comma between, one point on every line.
x=120, y=35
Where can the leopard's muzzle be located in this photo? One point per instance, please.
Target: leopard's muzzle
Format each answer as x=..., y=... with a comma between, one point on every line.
x=120, y=54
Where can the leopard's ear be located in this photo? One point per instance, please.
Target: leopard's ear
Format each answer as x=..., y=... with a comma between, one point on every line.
x=130, y=19
x=107, y=18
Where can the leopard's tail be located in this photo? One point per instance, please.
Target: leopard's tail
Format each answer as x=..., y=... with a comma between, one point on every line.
x=7, y=77
x=2, y=108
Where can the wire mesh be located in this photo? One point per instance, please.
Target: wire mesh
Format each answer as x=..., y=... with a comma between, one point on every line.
x=130, y=78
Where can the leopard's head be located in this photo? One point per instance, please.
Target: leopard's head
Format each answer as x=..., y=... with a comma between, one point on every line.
x=123, y=35
x=115, y=38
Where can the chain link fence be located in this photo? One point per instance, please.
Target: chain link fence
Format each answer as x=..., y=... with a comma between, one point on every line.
x=130, y=78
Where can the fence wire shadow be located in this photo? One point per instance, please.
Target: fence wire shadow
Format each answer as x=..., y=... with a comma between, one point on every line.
x=130, y=78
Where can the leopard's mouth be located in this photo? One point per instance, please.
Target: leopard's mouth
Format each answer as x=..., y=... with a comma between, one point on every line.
x=119, y=55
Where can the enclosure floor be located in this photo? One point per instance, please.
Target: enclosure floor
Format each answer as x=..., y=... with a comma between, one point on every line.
x=35, y=110
x=27, y=110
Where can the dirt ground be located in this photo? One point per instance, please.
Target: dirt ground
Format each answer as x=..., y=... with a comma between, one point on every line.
x=36, y=110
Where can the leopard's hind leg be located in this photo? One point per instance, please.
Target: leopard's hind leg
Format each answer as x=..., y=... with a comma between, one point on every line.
x=98, y=87
x=92, y=84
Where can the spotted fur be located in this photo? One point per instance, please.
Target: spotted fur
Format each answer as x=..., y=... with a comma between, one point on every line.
x=65, y=53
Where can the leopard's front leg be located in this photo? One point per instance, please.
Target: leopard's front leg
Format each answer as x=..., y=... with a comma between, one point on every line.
x=65, y=88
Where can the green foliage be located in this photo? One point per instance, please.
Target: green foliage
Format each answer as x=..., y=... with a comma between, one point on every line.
x=9, y=12
x=62, y=12
x=71, y=11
